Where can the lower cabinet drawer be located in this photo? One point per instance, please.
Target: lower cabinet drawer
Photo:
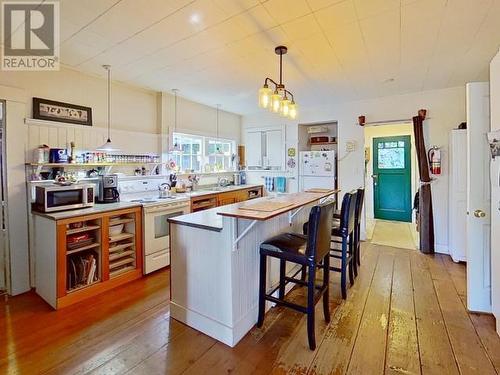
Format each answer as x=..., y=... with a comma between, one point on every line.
x=156, y=261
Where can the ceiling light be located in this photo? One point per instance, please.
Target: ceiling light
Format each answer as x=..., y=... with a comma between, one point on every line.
x=195, y=18
x=277, y=100
x=292, y=110
x=108, y=146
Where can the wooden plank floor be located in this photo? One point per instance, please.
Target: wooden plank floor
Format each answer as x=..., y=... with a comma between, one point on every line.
x=405, y=314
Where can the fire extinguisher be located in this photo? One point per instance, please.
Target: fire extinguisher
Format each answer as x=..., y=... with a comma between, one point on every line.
x=434, y=156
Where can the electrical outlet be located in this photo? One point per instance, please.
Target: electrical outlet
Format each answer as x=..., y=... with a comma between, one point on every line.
x=350, y=146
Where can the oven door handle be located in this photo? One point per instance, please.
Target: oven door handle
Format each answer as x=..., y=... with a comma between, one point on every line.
x=150, y=210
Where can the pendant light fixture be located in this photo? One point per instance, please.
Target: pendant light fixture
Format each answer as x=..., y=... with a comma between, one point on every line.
x=175, y=146
x=108, y=146
x=279, y=100
x=217, y=148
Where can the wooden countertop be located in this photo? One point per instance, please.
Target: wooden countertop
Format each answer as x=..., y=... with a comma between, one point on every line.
x=293, y=201
x=95, y=209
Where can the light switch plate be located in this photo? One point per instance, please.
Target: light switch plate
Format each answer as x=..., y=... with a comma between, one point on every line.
x=350, y=146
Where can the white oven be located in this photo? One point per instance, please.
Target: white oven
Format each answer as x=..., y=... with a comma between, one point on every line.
x=157, y=234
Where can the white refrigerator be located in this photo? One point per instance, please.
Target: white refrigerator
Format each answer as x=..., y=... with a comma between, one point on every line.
x=317, y=169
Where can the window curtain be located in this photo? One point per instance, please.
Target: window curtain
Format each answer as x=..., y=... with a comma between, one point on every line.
x=425, y=216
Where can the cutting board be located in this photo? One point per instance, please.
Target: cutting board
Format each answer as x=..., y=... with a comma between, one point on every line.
x=266, y=206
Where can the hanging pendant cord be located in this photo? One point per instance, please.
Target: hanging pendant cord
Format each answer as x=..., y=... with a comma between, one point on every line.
x=175, y=111
x=109, y=103
x=281, y=68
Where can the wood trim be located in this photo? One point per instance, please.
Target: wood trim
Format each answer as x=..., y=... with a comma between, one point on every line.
x=138, y=240
x=61, y=259
x=98, y=288
x=105, y=248
x=99, y=215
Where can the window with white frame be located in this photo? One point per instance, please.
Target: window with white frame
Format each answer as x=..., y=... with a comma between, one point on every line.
x=203, y=154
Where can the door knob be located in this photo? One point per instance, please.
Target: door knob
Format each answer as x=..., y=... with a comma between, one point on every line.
x=375, y=177
x=479, y=213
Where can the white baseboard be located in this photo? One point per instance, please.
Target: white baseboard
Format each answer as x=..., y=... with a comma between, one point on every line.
x=221, y=332
x=441, y=249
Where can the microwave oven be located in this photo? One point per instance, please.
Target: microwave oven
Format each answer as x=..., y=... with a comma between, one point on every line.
x=52, y=198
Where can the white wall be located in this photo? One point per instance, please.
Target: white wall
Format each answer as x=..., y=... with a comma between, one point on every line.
x=196, y=118
x=446, y=110
x=132, y=108
x=387, y=131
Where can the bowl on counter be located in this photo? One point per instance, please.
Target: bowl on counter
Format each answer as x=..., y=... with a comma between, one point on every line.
x=116, y=229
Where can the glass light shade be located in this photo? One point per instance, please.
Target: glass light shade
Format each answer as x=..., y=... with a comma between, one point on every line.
x=107, y=147
x=292, y=111
x=265, y=97
x=284, y=107
x=175, y=149
x=275, y=102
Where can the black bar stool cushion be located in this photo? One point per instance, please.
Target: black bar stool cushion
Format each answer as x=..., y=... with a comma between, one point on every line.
x=289, y=246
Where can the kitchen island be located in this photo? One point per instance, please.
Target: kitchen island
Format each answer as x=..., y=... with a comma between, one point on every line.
x=215, y=260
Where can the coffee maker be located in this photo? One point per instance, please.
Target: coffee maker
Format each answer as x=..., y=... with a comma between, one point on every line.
x=108, y=189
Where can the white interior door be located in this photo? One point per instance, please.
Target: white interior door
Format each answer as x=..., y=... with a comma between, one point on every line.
x=478, y=198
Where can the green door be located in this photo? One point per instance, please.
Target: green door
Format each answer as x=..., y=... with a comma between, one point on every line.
x=392, y=178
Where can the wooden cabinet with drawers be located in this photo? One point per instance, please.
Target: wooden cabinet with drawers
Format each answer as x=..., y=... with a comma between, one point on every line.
x=231, y=197
x=204, y=202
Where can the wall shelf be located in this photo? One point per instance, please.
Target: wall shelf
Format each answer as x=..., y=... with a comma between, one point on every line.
x=38, y=166
x=87, y=164
x=322, y=143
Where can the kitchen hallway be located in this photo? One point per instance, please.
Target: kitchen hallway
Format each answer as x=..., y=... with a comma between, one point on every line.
x=405, y=314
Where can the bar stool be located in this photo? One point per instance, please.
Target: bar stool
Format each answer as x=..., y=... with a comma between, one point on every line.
x=345, y=231
x=357, y=230
x=311, y=251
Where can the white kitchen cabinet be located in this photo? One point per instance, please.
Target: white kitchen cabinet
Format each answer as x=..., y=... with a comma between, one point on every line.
x=274, y=148
x=253, y=145
x=458, y=194
x=265, y=148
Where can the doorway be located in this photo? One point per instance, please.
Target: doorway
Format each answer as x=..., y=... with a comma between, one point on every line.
x=391, y=181
x=3, y=253
x=392, y=178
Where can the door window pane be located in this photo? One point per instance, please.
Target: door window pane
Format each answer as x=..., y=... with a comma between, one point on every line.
x=391, y=158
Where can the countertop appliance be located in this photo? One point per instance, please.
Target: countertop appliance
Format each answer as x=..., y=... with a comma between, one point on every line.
x=51, y=198
x=58, y=155
x=317, y=169
x=156, y=212
x=108, y=189
x=164, y=190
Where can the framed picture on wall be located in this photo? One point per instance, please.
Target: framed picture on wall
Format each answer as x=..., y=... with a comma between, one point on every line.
x=44, y=109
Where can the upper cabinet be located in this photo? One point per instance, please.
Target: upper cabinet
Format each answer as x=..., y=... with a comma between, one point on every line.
x=265, y=148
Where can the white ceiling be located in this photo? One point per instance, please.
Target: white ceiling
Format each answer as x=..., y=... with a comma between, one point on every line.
x=220, y=51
